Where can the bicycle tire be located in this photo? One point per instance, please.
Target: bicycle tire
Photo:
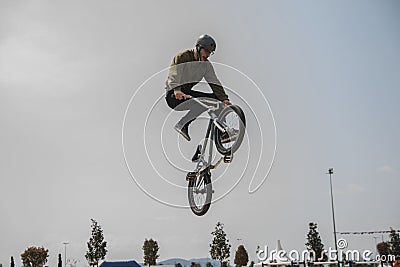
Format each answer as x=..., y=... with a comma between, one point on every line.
x=229, y=150
x=200, y=187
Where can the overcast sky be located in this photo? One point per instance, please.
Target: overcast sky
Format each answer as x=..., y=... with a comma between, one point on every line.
x=330, y=72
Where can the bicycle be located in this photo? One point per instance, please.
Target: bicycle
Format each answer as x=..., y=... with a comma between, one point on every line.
x=226, y=128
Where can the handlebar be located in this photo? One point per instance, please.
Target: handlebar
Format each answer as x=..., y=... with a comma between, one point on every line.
x=216, y=103
x=209, y=103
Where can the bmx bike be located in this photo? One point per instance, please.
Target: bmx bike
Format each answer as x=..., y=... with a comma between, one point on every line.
x=226, y=129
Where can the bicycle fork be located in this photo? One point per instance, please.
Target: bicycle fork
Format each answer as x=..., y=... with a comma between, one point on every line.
x=204, y=163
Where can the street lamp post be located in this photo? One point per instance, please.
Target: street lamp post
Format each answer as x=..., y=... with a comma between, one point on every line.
x=330, y=172
x=65, y=253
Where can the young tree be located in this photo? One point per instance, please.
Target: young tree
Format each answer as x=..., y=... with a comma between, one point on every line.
x=34, y=257
x=96, y=245
x=394, y=243
x=150, y=250
x=12, y=264
x=59, y=261
x=314, y=243
x=241, y=256
x=219, y=247
x=383, y=248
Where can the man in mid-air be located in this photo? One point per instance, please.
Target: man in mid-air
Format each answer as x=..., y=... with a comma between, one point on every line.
x=187, y=69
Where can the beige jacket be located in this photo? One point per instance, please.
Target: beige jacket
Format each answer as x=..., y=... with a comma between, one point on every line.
x=185, y=72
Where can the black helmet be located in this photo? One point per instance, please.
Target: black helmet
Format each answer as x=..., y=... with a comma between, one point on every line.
x=207, y=42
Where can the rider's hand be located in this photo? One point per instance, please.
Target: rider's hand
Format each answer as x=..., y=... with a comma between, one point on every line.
x=227, y=102
x=179, y=95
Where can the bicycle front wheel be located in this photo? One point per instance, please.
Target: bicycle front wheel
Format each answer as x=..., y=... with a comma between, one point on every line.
x=200, y=193
x=232, y=119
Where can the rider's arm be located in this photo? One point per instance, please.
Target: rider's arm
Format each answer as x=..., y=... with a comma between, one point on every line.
x=215, y=84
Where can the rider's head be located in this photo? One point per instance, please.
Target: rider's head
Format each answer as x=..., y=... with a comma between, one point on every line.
x=205, y=46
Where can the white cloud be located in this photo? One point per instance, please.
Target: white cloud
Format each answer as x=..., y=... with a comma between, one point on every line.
x=387, y=169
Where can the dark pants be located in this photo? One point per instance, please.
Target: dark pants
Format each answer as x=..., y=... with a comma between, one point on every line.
x=195, y=109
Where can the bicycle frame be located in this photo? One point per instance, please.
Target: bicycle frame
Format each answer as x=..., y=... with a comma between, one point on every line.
x=204, y=161
x=200, y=185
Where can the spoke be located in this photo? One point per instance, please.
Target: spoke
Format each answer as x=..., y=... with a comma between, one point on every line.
x=200, y=182
x=200, y=201
x=199, y=192
x=231, y=122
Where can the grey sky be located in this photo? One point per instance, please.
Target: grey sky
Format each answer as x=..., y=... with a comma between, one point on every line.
x=330, y=71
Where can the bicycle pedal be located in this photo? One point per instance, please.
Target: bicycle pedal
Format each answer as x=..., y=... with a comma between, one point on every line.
x=197, y=154
x=191, y=176
x=228, y=158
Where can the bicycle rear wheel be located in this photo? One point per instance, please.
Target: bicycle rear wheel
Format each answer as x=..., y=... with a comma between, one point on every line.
x=234, y=122
x=200, y=193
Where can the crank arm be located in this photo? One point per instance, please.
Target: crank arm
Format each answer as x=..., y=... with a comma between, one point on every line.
x=213, y=167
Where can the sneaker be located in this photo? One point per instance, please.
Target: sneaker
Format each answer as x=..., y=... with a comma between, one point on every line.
x=183, y=130
x=229, y=136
